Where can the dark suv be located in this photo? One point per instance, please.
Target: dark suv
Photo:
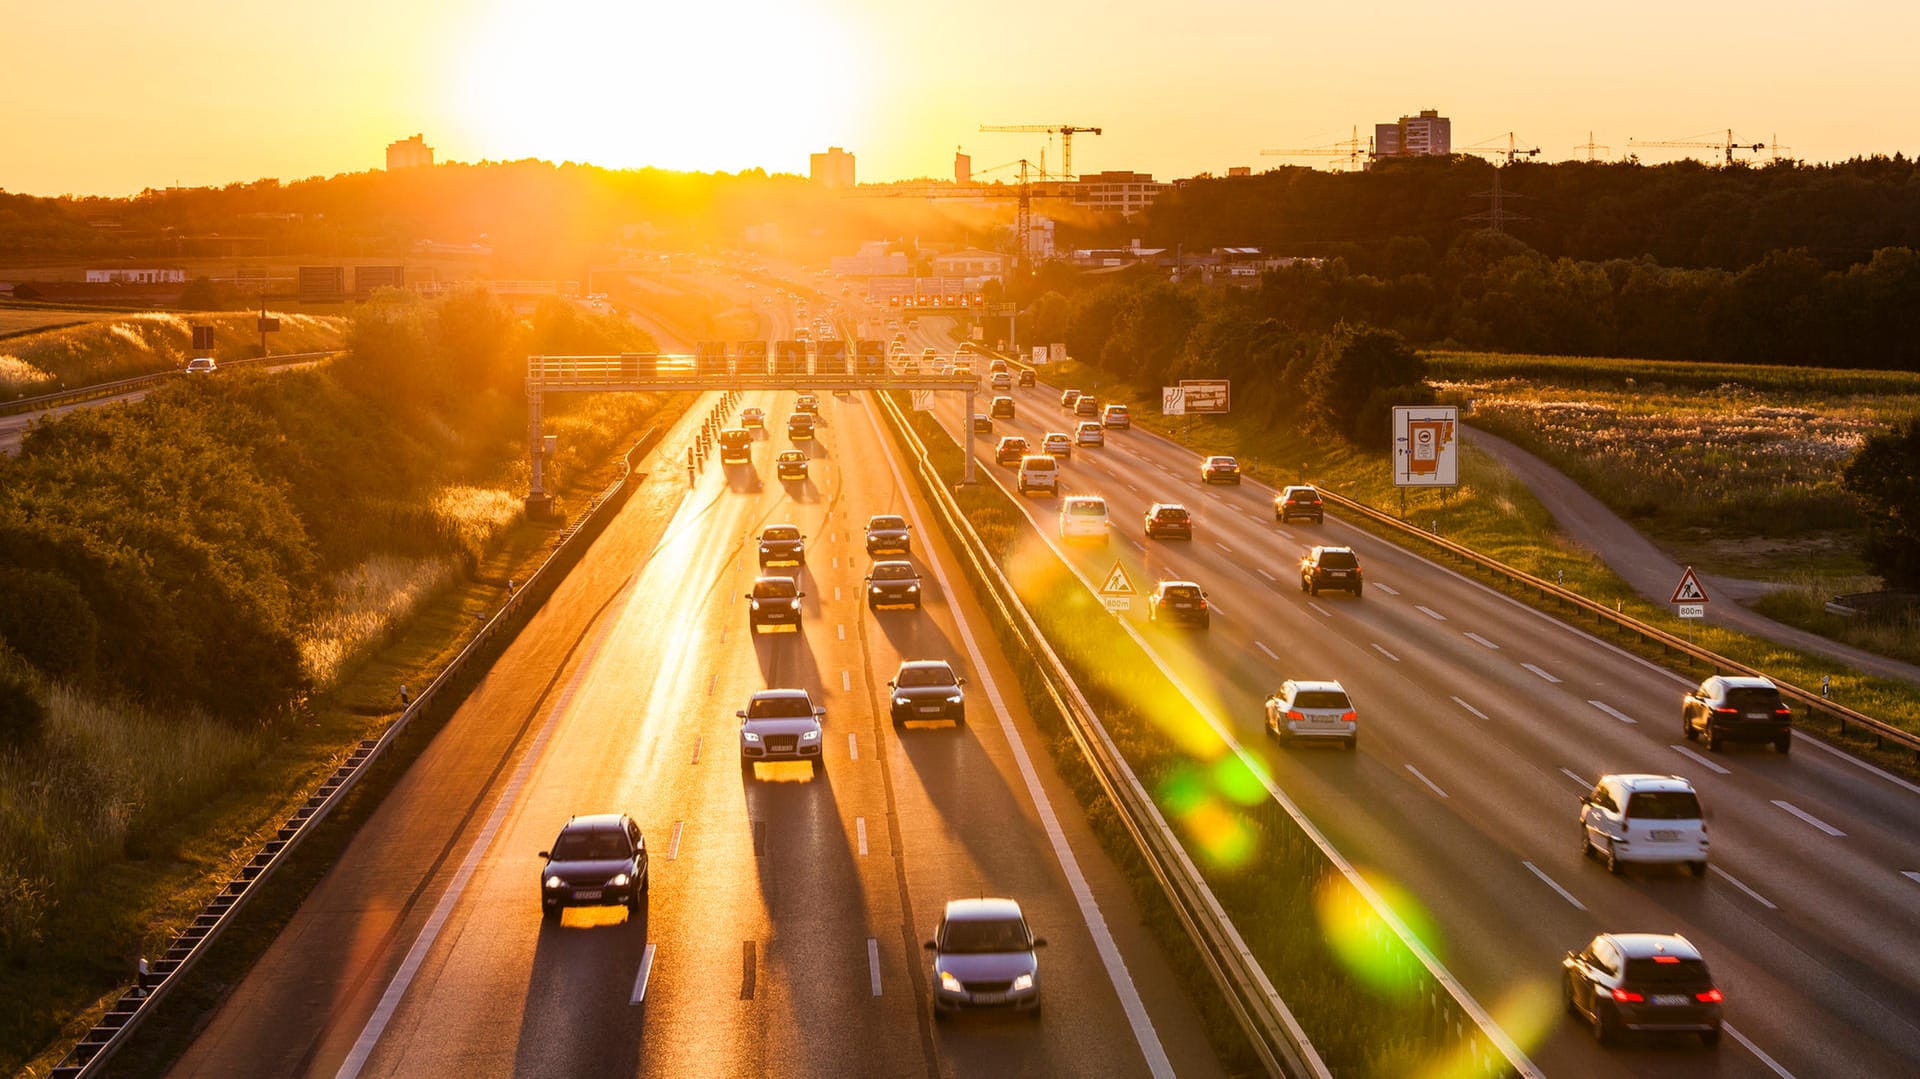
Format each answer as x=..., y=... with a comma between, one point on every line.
x=1641, y=981
x=1169, y=519
x=887, y=533
x=1010, y=450
x=1729, y=709
x=1299, y=501
x=927, y=689
x=782, y=545
x=1179, y=602
x=598, y=861
x=1330, y=567
x=774, y=601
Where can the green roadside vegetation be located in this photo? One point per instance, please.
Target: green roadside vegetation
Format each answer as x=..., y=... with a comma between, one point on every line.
x=210, y=596
x=1365, y=1002
x=1496, y=515
x=123, y=346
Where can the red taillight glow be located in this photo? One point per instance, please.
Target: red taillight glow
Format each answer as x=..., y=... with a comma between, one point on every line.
x=1628, y=996
x=1349, y=717
x=1711, y=996
x=1666, y=959
x=1783, y=711
x=1726, y=711
x=1296, y=716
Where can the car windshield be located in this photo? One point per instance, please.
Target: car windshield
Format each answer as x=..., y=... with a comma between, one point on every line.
x=734, y=436
x=1013, y=443
x=590, y=845
x=1321, y=698
x=792, y=456
x=1220, y=462
x=1170, y=513
x=999, y=935
x=924, y=676
x=775, y=588
x=894, y=571
x=1180, y=591
x=1089, y=428
x=1087, y=509
x=781, y=532
x=1338, y=560
x=1302, y=496
x=880, y=524
x=1664, y=805
x=1753, y=698
x=779, y=707
x=1668, y=971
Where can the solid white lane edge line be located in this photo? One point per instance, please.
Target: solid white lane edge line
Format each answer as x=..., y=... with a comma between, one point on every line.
x=1470, y=708
x=1614, y=712
x=1319, y=609
x=1756, y=1051
x=1384, y=652
x=1422, y=777
x=846, y=680
x=1540, y=672
x=673, y=842
x=1911, y=875
x=1858, y=763
x=1141, y=1023
x=860, y=830
x=1751, y=894
x=1430, y=613
x=1261, y=645
x=1575, y=776
x=1809, y=818
x=640, y=979
x=1267, y=575
x=1387, y=588
x=1482, y=641
x=1555, y=885
x=1704, y=762
x=873, y=963
x=853, y=746
x=383, y=1013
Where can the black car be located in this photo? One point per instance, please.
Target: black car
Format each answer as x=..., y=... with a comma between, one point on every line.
x=1024, y=378
x=774, y=601
x=1219, y=469
x=1169, y=520
x=782, y=545
x=1179, y=603
x=1301, y=500
x=892, y=585
x=927, y=689
x=808, y=403
x=1330, y=567
x=800, y=426
x=1726, y=709
x=1011, y=449
x=597, y=861
x=1641, y=981
x=790, y=465
x=982, y=424
x=1068, y=398
x=887, y=533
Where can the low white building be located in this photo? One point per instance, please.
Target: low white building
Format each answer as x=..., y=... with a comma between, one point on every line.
x=153, y=276
x=971, y=262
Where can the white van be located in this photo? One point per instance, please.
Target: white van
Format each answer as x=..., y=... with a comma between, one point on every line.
x=1083, y=517
x=1039, y=472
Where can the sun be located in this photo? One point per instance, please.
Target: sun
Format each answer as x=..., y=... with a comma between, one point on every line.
x=723, y=85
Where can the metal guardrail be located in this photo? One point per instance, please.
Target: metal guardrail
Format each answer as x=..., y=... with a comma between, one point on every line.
x=97, y=390
x=87, y=1058
x=1814, y=704
x=1276, y=1037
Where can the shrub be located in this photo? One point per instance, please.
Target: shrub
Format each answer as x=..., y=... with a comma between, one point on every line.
x=22, y=714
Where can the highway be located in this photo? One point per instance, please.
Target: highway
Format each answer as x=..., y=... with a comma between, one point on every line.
x=787, y=909
x=1482, y=723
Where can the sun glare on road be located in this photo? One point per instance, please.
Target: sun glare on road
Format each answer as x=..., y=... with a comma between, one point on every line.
x=679, y=86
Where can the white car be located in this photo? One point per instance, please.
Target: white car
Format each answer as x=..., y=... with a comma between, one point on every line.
x=781, y=725
x=1002, y=381
x=1091, y=433
x=201, y=365
x=1305, y=710
x=1039, y=472
x=1057, y=444
x=1083, y=517
x=1636, y=817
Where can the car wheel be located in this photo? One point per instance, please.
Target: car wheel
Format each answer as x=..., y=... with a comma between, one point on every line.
x=1353, y=740
x=1710, y=1038
x=746, y=765
x=1606, y=1024
x=1313, y=588
x=1699, y=868
x=1586, y=841
x=939, y=1014
x=549, y=912
x=634, y=902
x=1711, y=740
x=1566, y=995
x=1783, y=744
x=1303, y=584
x=1612, y=858
x=1356, y=591
x=1281, y=517
x=1687, y=731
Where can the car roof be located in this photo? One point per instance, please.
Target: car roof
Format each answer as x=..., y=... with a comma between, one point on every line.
x=893, y=562
x=924, y=664
x=595, y=821
x=789, y=578
x=1219, y=457
x=1292, y=487
x=1646, y=781
x=1178, y=584
x=792, y=455
x=1648, y=945
x=1328, y=549
x=1036, y=458
x=778, y=524
x=1158, y=506
x=885, y=517
x=980, y=910
x=1086, y=498
x=1307, y=685
x=1734, y=681
x=781, y=695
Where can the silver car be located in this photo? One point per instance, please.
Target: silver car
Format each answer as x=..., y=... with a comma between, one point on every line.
x=983, y=956
x=781, y=725
x=1304, y=710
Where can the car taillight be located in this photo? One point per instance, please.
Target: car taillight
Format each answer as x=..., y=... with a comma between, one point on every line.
x=1783, y=710
x=1628, y=996
x=1349, y=717
x=1203, y=604
x=1711, y=996
x=1726, y=711
x=1296, y=716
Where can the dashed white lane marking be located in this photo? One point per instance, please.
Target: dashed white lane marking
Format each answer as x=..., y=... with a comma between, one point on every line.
x=846, y=680
x=1710, y=765
x=1223, y=547
x=1614, y=712
x=1756, y=1051
x=873, y=964
x=1386, y=653
x=1430, y=613
x=1267, y=575
x=1482, y=641
x=640, y=980
x=836, y=561
x=1431, y=785
x=1751, y=894
x=1217, y=609
x=853, y=746
x=712, y=682
x=1540, y=672
x=1387, y=588
x=697, y=741
x=1576, y=777
x=1132, y=488
x=673, y=842
x=1319, y=609
x=860, y=831
x=836, y=593
x=1911, y=875
x=1271, y=654
x=1809, y=818
x=1470, y=708
x=1236, y=507
x=1555, y=885
x=842, y=627
x=1138, y=545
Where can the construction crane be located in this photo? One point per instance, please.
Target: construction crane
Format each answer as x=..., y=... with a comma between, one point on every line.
x=1065, y=131
x=1692, y=143
x=1512, y=152
x=1590, y=146
x=1348, y=148
x=1023, y=190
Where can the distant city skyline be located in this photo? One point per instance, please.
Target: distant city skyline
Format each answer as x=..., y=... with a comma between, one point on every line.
x=116, y=97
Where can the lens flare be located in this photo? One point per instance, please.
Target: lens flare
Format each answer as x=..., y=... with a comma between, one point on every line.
x=1236, y=780
x=1224, y=839
x=1363, y=941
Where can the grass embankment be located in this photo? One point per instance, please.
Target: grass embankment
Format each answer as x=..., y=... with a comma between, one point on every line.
x=1496, y=515
x=1364, y=1000
x=124, y=346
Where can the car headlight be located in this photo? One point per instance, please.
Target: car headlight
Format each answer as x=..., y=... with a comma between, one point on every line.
x=756, y=604
x=1023, y=983
x=875, y=590
x=749, y=736
x=794, y=603
x=810, y=736
x=913, y=588
x=955, y=699
x=950, y=983
x=619, y=880
x=902, y=701
x=556, y=882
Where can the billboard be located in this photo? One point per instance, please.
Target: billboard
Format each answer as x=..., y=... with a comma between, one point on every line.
x=1206, y=395
x=1426, y=446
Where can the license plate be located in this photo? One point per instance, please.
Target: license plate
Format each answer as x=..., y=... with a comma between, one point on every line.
x=586, y=893
x=989, y=998
x=1664, y=835
x=1669, y=1000
x=929, y=709
x=1756, y=715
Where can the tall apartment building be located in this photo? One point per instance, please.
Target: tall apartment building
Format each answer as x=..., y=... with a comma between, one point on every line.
x=409, y=154
x=1428, y=134
x=833, y=168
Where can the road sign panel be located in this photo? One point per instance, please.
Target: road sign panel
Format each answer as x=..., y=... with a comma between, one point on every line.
x=1207, y=394
x=1117, y=582
x=1689, y=590
x=1693, y=610
x=1173, y=401
x=1117, y=603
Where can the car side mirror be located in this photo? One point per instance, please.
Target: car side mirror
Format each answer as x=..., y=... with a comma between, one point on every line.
x=746, y=595
x=799, y=595
x=931, y=946
x=547, y=855
x=742, y=713
x=960, y=681
x=819, y=710
x=1039, y=942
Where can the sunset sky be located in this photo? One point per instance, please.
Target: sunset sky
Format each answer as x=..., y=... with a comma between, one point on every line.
x=114, y=96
